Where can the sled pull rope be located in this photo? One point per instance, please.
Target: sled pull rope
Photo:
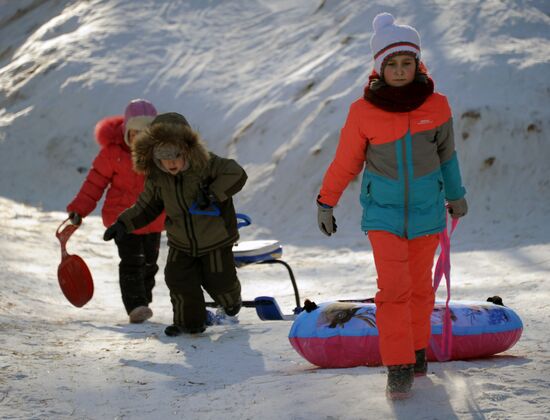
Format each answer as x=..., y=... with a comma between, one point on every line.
x=443, y=268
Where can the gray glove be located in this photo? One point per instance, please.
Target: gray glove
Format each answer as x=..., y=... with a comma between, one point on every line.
x=458, y=208
x=325, y=219
x=75, y=218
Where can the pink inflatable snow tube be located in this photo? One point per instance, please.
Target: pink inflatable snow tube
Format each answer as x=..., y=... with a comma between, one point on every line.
x=344, y=334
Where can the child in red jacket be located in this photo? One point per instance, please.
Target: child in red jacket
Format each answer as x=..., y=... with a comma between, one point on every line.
x=401, y=134
x=112, y=170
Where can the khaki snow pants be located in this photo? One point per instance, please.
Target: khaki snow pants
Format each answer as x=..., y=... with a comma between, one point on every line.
x=186, y=277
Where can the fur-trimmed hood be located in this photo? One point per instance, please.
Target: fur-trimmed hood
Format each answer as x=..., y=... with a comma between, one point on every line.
x=179, y=135
x=110, y=130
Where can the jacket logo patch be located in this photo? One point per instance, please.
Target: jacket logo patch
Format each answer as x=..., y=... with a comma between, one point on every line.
x=424, y=122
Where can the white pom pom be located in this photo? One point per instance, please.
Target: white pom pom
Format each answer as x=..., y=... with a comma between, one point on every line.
x=381, y=20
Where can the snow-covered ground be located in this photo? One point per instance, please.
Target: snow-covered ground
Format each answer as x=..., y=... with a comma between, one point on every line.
x=268, y=83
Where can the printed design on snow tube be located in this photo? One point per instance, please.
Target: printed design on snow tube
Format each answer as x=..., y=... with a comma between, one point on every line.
x=338, y=314
x=344, y=334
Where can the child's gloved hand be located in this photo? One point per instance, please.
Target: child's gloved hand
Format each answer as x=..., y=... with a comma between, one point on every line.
x=75, y=218
x=205, y=198
x=325, y=219
x=458, y=208
x=116, y=230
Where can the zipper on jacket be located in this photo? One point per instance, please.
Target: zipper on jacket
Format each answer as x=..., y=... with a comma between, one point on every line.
x=186, y=216
x=406, y=182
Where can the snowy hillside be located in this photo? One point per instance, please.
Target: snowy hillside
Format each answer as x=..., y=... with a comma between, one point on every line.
x=268, y=83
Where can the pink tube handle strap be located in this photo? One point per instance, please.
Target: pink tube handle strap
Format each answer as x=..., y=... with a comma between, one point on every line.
x=443, y=268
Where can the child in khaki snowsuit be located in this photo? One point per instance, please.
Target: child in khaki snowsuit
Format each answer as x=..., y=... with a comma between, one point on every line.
x=195, y=188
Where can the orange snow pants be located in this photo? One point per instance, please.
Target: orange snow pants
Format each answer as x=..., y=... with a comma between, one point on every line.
x=405, y=297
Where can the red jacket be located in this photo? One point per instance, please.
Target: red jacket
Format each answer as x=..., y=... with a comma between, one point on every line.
x=112, y=168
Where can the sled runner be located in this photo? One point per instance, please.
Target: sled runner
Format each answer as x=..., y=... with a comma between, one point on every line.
x=73, y=274
x=263, y=252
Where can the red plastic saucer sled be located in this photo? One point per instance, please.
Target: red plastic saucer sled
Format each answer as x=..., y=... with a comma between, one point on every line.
x=73, y=274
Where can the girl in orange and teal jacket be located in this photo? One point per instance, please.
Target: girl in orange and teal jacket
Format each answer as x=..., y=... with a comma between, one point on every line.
x=401, y=134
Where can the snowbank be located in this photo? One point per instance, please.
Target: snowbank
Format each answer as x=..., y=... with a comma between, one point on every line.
x=268, y=83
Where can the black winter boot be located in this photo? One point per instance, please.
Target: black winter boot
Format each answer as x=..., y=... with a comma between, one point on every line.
x=233, y=310
x=421, y=365
x=400, y=380
x=175, y=330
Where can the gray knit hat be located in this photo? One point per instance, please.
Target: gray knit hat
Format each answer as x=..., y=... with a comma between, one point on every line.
x=167, y=151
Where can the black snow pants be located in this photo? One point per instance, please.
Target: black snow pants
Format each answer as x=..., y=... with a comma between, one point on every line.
x=137, y=268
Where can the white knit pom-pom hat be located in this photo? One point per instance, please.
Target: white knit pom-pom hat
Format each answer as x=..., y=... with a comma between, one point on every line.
x=389, y=38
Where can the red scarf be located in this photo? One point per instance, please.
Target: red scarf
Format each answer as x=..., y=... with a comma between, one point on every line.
x=399, y=99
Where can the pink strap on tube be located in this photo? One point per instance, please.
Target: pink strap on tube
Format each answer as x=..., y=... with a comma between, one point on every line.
x=443, y=268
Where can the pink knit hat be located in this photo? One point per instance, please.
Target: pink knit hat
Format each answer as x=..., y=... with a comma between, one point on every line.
x=138, y=115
